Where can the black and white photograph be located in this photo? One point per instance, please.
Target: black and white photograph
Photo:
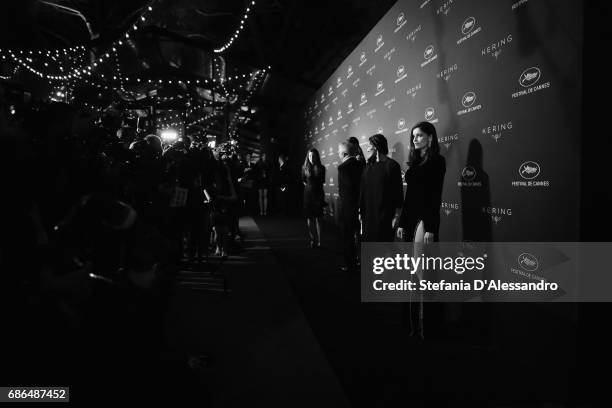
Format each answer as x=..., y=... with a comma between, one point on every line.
x=305, y=204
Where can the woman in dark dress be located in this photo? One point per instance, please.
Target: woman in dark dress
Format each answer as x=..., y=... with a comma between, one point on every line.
x=380, y=199
x=420, y=218
x=313, y=176
x=262, y=172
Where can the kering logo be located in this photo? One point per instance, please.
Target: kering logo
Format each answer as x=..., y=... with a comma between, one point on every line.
x=389, y=53
x=322, y=98
x=380, y=88
x=349, y=108
x=447, y=72
x=430, y=115
x=330, y=122
x=401, y=126
x=331, y=91
x=344, y=92
x=496, y=131
x=364, y=99
x=448, y=208
x=389, y=103
x=429, y=55
x=412, y=35
x=497, y=214
x=362, y=58
x=401, y=73
x=495, y=49
x=529, y=170
x=335, y=100
x=339, y=114
x=413, y=90
x=530, y=77
x=447, y=141
x=445, y=7
x=370, y=70
x=349, y=72
x=370, y=113
x=356, y=82
x=339, y=82
x=467, y=101
x=528, y=262
x=379, y=42
x=400, y=22
x=528, y=80
x=468, y=29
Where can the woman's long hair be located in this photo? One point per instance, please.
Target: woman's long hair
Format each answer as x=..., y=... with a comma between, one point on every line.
x=414, y=156
x=313, y=168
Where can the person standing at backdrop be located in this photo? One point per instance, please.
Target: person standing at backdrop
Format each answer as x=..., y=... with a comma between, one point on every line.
x=359, y=156
x=262, y=182
x=313, y=177
x=420, y=217
x=349, y=179
x=381, y=193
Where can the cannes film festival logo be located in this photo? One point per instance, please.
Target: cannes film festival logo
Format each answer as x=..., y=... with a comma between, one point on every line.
x=349, y=70
x=468, y=173
x=530, y=77
x=363, y=58
x=379, y=86
x=529, y=170
x=331, y=90
x=401, y=70
x=363, y=97
x=468, y=99
x=429, y=52
x=468, y=25
x=528, y=262
x=430, y=113
x=400, y=19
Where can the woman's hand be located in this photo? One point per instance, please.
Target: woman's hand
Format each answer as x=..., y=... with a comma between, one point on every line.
x=400, y=232
x=428, y=238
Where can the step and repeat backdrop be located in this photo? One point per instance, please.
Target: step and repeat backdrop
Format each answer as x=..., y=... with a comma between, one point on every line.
x=500, y=80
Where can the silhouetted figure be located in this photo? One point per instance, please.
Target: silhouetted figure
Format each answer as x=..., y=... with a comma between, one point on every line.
x=349, y=180
x=381, y=193
x=313, y=177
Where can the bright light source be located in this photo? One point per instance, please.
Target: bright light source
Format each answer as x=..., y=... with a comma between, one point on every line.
x=169, y=135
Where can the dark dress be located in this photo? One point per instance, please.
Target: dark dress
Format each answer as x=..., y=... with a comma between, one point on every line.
x=423, y=197
x=314, y=196
x=380, y=195
x=261, y=174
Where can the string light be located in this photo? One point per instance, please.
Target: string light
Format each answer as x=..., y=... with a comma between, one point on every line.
x=238, y=30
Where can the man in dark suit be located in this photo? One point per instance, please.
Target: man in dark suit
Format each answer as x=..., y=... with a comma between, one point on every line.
x=349, y=181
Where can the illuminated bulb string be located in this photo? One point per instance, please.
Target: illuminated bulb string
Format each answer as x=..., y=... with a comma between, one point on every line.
x=238, y=30
x=76, y=72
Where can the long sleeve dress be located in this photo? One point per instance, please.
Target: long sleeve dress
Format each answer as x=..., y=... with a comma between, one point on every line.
x=423, y=196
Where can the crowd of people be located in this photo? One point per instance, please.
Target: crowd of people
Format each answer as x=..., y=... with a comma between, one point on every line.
x=98, y=219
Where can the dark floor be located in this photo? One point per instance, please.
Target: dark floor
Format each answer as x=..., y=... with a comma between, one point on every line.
x=292, y=331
